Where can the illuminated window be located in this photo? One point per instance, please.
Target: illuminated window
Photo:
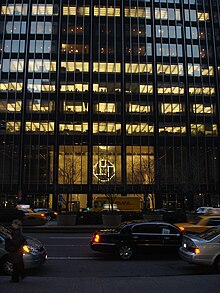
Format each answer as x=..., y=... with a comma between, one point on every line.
x=204, y=129
x=202, y=16
x=39, y=126
x=42, y=9
x=137, y=108
x=14, y=9
x=138, y=68
x=145, y=89
x=171, y=108
x=11, y=86
x=194, y=69
x=13, y=65
x=99, y=88
x=41, y=65
x=75, y=66
x=173, y=129
x=73, y=127
x=170, y=69
x=167, y=13
x=201, y=91
x=10, y=106
x=38, y=105
x=77, y=87
x=105, y=107
x=138, y=12
x=73, y=10
x=79, y=107
x=106, y=67
x=13, y=126
x=139, y=128
x=208, y=71
x=107, y=127
x=40, y=85
x=202, y=109
x=106, y=11
x=175, y=90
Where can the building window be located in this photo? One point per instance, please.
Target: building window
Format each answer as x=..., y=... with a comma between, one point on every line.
x=14, y=46
x=73, y=10
x=43, y=28
x=42, y=9
x=14, y=9
x=106, y=11
x=16, y=27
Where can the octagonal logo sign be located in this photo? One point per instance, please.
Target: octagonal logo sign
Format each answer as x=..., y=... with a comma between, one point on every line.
x=104, y=170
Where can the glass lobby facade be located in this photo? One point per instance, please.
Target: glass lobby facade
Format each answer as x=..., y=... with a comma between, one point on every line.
x=119, y=97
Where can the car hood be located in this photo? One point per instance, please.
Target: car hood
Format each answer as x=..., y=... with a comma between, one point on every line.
x=33, y=242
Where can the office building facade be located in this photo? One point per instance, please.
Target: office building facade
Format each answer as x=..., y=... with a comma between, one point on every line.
x=110, y=97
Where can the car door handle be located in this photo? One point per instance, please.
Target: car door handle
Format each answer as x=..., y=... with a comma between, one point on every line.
x=167, y=237
x=136, y=237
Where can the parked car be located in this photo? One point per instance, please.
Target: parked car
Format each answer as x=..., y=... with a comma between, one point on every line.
x=203, y=248
x=134, y=237
x=34, y=253
x=49, y=213
x=33, y=218
x=208, y=211
x=200, y=224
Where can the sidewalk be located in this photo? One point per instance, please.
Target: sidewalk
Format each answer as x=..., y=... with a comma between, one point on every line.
x=162, y=284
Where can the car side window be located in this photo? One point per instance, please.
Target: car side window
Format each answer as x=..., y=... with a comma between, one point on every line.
x=213, y=222
x=146, y=228
x=166, y=229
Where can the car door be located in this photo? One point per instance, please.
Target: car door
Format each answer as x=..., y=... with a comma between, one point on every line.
x=172, y=237
x=147, y=236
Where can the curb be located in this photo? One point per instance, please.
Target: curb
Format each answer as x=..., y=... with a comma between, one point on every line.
x=63, y=229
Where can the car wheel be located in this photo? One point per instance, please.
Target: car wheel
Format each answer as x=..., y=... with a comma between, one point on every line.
x=6, y=266
x=125, y=251
x=217, y=264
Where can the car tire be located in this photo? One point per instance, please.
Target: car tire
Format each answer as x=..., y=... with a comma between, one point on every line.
x=125, y=251
x=6, y=265
x=217, y=264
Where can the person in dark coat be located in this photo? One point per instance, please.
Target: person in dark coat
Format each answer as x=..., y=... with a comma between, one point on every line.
x=15, y=244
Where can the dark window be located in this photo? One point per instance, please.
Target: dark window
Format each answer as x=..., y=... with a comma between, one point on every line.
x=167, y=229
x=213, y=222
x=146, y=228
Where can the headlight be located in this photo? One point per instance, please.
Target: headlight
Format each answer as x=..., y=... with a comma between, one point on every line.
x=28, y=249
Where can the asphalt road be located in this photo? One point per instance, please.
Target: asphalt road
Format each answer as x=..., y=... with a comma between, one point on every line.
x=73, y=267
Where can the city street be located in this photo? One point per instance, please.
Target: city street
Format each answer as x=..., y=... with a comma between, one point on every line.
x=73, y=267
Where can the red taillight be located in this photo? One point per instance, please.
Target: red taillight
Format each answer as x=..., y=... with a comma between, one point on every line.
x=97, y=238
x=194, y=249
x=55, y=213
x=181, y=228
x=42, y=215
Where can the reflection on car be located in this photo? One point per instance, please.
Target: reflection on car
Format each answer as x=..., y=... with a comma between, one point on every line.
x=49, y=213
x=203, y=248
x=200, y=224
x=34, y=253
x=131, y=238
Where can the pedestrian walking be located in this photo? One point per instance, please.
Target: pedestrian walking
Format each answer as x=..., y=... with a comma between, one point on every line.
x=14, y=245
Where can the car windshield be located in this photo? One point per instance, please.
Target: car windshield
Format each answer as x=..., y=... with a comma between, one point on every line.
x=210, y=234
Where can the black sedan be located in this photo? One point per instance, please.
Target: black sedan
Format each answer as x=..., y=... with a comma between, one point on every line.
x=130, y=238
